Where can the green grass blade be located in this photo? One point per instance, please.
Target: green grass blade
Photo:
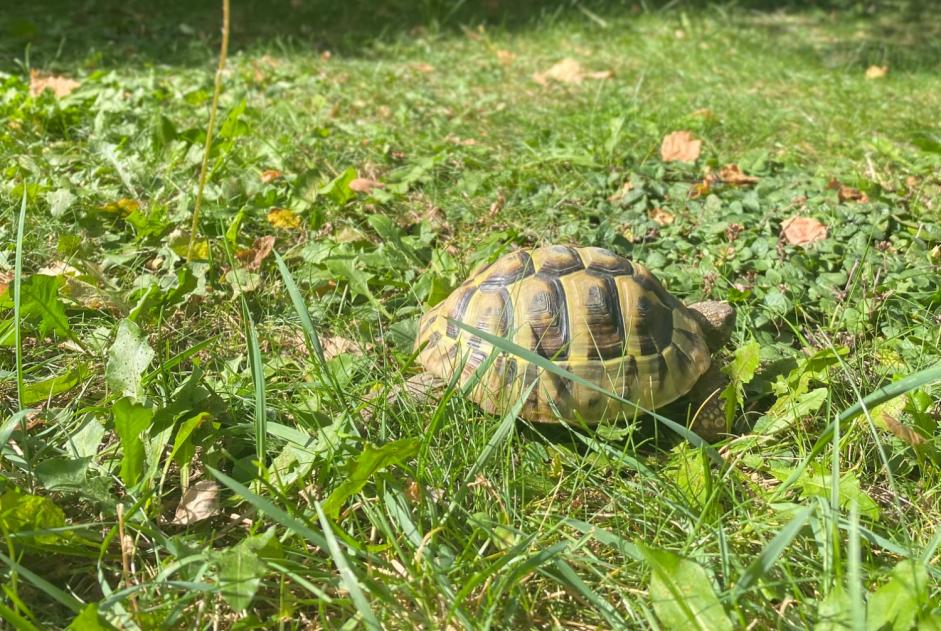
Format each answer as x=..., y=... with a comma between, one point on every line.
x=538, y=360
x=347, y=576
x=877, y=397
x=771, y=552
x=17, y=314
x=16, y=620
x=854, y=574
x=564, y=574
x=263, y=505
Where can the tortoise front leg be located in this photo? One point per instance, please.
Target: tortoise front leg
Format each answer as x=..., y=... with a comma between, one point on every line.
x=707, y=406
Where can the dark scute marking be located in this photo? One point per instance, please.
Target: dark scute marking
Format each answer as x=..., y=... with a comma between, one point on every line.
x=548, y=318
x=474, y=359
x=683, y=361
x=688, y=335
x=616, y=265
x=629, y=370
x=509, y=269
x=562, y=260
x=603, y=311
x=475, y=342
x=457, y=312
x=654, y=326
x=507, y=368
x=565, y=395
x=529, y=376
x=650, y=283
x=434, y=339
x=662, y=369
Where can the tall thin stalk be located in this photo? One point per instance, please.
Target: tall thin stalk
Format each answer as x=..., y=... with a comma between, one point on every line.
x=217, y=88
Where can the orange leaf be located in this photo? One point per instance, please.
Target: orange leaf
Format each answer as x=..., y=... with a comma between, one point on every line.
x=60, y=86
x=424, y=68
x=847, y=193
x=680, y=146
x=284, y=218
x=256, y=254
x=803, y=230
x=506, y=57
x=876, y=72
x=732, y=174
x=622, y=192
x=364, y=185
x=569, y=71
x=270, y=175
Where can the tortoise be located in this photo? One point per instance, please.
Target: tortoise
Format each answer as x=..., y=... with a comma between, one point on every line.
x=596, y=314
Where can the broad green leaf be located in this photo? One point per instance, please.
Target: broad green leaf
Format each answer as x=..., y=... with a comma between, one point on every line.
x=89, y=620
x=59, y=201
x=773, y=551
x=183, y=447
x=369, y=462
x=242, y=281
x=23, y=512
x=128, y=358
x=896, y=604
x=819, y=485
x=131, y=420
x=338, y=189
x=788, y=410
x=742, y=368
x=41, y=391
x=242, y=567
x=834, y=613
x=41, y=304
x=358, y=280
x=62, y=472
x=682, y=592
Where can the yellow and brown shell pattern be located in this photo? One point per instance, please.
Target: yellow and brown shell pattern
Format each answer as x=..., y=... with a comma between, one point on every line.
x=596, y=314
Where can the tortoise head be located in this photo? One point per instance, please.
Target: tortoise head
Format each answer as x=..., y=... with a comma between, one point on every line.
x=716, y=319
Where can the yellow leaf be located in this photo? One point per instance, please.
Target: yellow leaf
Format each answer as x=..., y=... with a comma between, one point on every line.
x=661, y=217
x=569, y=71
x=876, y=72
x=270, y=175
x=284, y=218
x=122, y=206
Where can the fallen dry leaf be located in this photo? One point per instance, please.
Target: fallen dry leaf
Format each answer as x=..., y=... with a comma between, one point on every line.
x=680, y=146
x=200, y=501
x=732, y=174
x=123, y=206
x=876, y=72
x=334, y=345
x=568, y=71
x=506, y=57
x=256, y=254
x=59, y=268
x=423, y=68
x=60, y=86
x=619, y=194
x=803, y=230
x=270, y=175
x=661, y=217
x=364, y=185
x=901, y=431
x=850, y=194
x=284, y=218
x=700, y=189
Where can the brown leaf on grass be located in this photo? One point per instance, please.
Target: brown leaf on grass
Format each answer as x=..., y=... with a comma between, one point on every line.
x=700, y=189
x=850, y=194
x=661, y=217
x=5, y=278
x=270, y=175
x=680, y=146
x=876, y=72
x=364, y=185
x=901, y=431
x=423, y=68
x=60, y=86
x=803, y=230
x=200, y=501
x=334, y=345
x=569, y=71
x=621, y=193
x=732, y=174
x=506, y=57
x=284, y=218
x=254, y=256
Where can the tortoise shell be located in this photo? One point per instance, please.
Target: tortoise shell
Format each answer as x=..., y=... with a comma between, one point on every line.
x=595, y=314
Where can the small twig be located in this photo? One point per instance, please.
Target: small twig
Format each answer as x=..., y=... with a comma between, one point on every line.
x=204, y=167
x=125, y=556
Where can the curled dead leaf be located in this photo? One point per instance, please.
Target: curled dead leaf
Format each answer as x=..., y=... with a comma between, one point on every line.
x=200, y=501
x=60, y=86
x=569, y=71
x=506, y=57
x=622, y=192
x=334, y=345
x=364, y=185
x=876, y=72
x=661, y=217
x=284, y=218
x=902, y=431
x=700, y=189
x=254, y=256
x=850, y=194
x=680, y=146
x=732, y=174
x=270, y=175
x=803, y=230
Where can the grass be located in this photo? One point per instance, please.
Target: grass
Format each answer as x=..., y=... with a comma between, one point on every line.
x=373, y=507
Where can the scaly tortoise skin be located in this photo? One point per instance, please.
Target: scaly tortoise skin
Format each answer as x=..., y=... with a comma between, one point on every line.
x=595, y=314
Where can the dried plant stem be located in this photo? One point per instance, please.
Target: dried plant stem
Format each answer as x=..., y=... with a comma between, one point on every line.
x=217, y=88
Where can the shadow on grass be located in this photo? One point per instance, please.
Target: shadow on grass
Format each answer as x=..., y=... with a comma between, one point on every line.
x=101, y=34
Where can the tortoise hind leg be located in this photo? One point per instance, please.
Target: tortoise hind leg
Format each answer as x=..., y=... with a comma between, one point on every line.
x=708, y=407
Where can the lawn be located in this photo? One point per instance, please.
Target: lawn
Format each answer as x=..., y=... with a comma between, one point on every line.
x=228, y=428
